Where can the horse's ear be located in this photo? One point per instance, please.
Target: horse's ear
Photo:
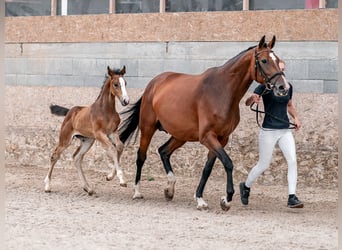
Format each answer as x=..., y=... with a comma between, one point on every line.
x=272, y=42
x=110, y=72
x=262, y=42
x=123, y=70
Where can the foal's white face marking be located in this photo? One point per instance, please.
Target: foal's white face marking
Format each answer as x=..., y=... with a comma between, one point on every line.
x=123, y=89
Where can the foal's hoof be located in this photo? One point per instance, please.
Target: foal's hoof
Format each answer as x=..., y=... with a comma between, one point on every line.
x=138, y=196
x=225, y=205
x=90, y=192
x=123, y=184
x=168, y=195
x=47, y=191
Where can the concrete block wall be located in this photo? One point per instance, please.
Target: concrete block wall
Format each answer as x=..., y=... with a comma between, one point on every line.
x=312, y=66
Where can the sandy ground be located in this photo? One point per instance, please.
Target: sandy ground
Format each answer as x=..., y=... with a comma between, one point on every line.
x=67, y=218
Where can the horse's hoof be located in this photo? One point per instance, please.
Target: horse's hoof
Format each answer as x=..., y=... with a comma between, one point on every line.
x=138, y=196
x=47, y=190
x=202, y=207
x=201, y=204
x=168, y=195
x=123, y=184
x=225, y=205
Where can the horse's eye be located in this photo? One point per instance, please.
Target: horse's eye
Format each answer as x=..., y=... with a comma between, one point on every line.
x=264, y=60
x=116, y=85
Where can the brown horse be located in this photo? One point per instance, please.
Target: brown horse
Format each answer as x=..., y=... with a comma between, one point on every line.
x=98, y=121
x=202, y=108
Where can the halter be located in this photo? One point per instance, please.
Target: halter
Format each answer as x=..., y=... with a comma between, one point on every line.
x=257, y=67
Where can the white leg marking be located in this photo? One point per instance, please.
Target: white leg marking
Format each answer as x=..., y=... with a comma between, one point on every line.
x=47, y=184
x=137, y=194
x=170, y=188
x=201, y=204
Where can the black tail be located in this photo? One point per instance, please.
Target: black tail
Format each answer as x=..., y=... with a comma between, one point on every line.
x=58, y=110
x=128, y=126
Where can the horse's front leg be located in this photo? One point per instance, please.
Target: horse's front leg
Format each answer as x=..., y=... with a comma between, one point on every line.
x=228, y=167
x=201, y=204
x=117, y=149
x=213, y=144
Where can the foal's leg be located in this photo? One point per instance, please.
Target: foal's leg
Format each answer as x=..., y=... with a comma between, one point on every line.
x=165, y=152
x=118, y=149
x=212, y=143
x=53, y=160
x=201, y=204
x=113, y=154
x=86, y=144
x=65, y=138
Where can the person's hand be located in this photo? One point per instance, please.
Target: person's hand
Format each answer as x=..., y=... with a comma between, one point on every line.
x=255, y=98
x=298, y=124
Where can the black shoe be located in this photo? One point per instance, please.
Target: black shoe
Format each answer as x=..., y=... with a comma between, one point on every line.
x=244, y=193
x=293, y=202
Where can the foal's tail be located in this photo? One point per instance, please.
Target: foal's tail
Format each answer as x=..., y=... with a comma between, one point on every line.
x=58, y=110
x=129, y=125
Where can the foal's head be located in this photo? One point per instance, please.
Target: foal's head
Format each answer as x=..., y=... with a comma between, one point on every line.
x=118, y=84
x=267, y=70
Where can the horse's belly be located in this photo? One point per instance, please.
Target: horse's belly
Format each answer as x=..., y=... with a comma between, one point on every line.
x=182, y=129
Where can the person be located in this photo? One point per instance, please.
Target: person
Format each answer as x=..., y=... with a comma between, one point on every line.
x=273, y=131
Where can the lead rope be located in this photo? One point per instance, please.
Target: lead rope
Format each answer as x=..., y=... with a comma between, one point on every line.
x=257, y=112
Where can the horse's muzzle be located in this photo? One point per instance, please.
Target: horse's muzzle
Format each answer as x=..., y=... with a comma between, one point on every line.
x=280, y=91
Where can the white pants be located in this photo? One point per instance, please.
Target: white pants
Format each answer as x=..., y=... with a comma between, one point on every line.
x=267, y=141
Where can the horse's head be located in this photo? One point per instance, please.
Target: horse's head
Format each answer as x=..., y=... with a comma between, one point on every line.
x=118, y=84
x=267, y=70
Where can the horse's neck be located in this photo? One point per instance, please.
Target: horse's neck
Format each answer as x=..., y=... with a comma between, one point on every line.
x=106, y=100
x=238, y=75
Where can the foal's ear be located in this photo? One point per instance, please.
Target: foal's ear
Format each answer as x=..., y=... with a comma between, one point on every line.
x=262, y=42
x=272, y=42
x=109, y=71
x=123, y=70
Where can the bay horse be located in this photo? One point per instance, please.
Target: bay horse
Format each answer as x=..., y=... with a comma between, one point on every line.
x=202, y=108
x=99, y=121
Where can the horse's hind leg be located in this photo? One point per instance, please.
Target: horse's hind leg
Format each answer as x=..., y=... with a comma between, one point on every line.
x=86, y=144
x=147, y=132
x=165, y=152
x=118, y=149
